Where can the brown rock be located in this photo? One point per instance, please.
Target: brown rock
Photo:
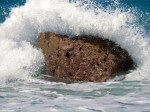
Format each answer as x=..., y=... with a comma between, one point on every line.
x=84, y=58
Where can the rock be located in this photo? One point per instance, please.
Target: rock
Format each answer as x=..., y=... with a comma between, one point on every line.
x=84, y=58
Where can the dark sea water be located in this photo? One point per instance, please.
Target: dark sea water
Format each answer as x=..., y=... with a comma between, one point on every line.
x=22, y=86
x=6, y=5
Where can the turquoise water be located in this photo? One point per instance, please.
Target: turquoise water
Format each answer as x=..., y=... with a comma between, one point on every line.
x=22, y=85
x=6, y=5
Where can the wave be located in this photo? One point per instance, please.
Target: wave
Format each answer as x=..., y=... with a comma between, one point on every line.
x=19, y=59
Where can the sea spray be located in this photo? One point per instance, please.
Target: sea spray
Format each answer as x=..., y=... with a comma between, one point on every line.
x=20, y=30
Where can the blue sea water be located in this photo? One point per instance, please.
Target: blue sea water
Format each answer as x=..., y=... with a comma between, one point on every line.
x=6, y=5
x=141, y=8
x=22, y=87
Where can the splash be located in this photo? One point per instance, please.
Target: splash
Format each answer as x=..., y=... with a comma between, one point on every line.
x=20, y=30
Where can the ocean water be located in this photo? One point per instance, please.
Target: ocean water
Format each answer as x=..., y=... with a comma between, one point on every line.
x=24, y=87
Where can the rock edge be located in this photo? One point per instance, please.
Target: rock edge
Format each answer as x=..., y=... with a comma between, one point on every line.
x=83, y=58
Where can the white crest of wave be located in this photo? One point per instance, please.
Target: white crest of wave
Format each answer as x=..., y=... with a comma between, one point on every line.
x=19, y=32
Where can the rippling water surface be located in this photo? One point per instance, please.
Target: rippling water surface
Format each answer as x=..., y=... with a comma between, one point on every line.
x=78, y=97
x=22, y=86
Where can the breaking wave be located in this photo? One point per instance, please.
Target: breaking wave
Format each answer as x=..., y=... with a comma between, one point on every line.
x=19, y=59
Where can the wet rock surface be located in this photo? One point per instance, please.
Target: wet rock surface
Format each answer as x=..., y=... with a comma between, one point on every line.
x=84, y=58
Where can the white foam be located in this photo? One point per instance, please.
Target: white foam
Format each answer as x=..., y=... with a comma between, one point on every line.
x=19, y=32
